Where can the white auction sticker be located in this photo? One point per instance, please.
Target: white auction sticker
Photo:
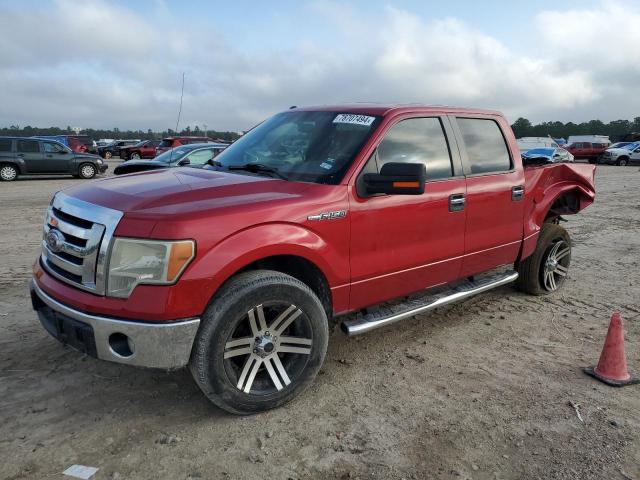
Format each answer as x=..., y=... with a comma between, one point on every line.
x=354, y=119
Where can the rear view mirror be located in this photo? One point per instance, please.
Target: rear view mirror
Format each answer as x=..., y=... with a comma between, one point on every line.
x=397, y=179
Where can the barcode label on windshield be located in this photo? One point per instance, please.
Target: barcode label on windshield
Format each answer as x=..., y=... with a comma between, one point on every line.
x=354, y=119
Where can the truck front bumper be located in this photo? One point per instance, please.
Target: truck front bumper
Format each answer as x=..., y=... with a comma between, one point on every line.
x=156, y=345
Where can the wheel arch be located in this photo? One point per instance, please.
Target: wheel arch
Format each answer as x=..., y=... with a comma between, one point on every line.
x=22, y=170
x=548, y=208
x=300, y=253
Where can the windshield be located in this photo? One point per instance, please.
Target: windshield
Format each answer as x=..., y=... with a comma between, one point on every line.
x=300, y=145
x=172, y=155
x=631, y=146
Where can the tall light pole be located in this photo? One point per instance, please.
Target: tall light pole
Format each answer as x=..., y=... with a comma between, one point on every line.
x=204, y=125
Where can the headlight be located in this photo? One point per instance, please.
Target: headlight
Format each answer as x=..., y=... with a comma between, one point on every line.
x=134, y=262
x=99, y=161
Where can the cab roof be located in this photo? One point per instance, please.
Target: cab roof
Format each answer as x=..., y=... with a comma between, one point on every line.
x=383, y=109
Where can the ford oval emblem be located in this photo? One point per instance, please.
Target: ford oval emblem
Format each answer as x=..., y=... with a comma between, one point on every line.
x=54, y=240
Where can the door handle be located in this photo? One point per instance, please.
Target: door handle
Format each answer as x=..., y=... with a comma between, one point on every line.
x=517, y=193
x=456, y=202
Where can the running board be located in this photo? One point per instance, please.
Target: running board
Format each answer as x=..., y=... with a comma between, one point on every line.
x=424, y=303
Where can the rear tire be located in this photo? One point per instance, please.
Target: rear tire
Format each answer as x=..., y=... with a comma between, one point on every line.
x=273, y=331
x=545, y=270
x=8, y=173
x=87, y=171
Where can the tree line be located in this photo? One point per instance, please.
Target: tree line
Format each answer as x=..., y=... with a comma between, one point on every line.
x=615, y=130
x=115, y=133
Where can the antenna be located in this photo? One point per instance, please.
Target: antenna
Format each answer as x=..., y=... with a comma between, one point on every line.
x=179, y=113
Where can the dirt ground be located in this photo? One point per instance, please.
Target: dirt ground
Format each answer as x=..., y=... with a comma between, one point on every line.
x=476, y=390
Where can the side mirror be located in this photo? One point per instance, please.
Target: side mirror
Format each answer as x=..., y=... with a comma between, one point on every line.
x=184, y=161
x=397, y=179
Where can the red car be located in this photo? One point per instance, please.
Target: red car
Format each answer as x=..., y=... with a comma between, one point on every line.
x=587, y=150
x=236, y=269
x=171, y=142
x=144, y=149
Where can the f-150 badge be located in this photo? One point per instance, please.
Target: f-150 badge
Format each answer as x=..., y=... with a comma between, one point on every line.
x=328, y=215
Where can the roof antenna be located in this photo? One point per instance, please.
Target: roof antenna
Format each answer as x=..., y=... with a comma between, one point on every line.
x=179, y=113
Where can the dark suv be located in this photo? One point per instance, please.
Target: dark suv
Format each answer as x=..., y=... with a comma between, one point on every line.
x=31, y=156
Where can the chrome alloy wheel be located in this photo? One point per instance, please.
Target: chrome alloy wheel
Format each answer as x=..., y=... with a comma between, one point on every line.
x=87, y=171
x=8, y=173
x=268, y=349
x=556, y=265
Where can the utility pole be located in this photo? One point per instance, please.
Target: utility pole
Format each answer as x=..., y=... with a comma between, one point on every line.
x=204, y=125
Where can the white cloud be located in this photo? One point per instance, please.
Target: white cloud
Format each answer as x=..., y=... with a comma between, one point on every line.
x=96, y=64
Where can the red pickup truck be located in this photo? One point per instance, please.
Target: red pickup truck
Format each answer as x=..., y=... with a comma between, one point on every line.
x=587, y=150
x=237, y=270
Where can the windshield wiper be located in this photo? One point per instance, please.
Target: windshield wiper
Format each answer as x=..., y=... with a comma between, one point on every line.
x=258, y=168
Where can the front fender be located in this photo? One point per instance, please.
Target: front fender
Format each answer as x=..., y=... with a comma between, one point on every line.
x=255, y=243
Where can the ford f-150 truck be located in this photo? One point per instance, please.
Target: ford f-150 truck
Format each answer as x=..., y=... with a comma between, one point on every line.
x=236, y=270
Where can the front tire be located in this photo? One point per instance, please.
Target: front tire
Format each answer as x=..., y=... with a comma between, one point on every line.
x=87, y=171
x=261, y=342
x=8, y=173
x=107, y=155
x=545, y=270
x=135, y=156
x=623, y=162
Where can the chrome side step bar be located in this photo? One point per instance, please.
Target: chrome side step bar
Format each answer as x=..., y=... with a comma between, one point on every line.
x=424, y=303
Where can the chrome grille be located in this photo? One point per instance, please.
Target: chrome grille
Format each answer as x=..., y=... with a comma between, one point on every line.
x=76, y=240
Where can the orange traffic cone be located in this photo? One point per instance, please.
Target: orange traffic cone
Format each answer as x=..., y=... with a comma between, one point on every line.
x=612, y=367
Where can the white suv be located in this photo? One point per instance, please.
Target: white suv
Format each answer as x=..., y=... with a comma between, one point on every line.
x=622, y=156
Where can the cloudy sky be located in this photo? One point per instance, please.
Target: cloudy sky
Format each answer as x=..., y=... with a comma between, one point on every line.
x=93, y=63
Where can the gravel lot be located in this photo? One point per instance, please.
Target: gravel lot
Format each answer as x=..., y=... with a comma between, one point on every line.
x=477, y=390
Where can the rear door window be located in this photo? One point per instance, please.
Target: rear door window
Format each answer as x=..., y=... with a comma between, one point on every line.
x=486, y=147
x=417, y=140
x=28, y=146
x=5, y=145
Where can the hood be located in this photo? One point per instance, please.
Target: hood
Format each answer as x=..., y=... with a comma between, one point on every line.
x=618, y=151
x=183, y=191
x=89, y=156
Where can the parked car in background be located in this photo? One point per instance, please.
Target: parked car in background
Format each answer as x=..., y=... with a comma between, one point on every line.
x=35, y=156
x=144, y=149
x=560, y=141
x=195, y=155
x=172, y=142
x=546, y=155
x=77, y=143
x=104, y=141
x=587, y=150
x=113, y=148
x=528, y=143
x=625, y=155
